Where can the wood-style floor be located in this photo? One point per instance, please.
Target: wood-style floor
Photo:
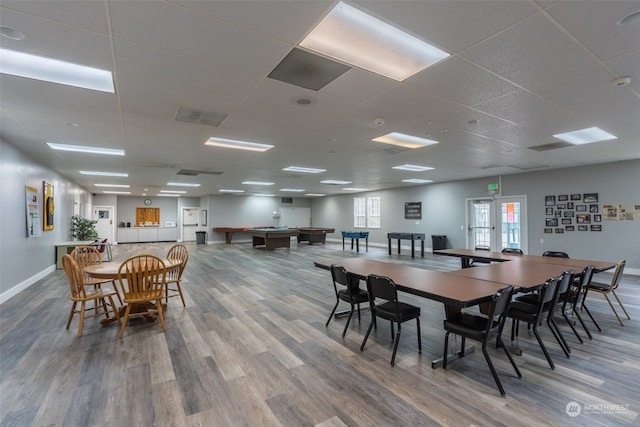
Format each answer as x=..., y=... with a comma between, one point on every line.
x=251, y=349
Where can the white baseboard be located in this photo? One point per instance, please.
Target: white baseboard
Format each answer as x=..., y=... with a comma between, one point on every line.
x=5, y=296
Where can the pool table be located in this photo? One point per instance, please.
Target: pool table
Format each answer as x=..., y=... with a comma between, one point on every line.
x=272, y=238
x=313, y=234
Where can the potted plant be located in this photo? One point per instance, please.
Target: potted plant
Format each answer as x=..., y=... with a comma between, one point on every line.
x=83, y=229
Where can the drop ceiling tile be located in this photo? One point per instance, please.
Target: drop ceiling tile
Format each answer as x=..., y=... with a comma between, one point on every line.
x=519, y=107
x=627, y=65
x=593, y=23
x=88, y=15
x=522, y=55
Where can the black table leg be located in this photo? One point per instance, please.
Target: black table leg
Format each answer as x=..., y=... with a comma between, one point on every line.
x=389, y=246
x=413, y=248
x=422, y=248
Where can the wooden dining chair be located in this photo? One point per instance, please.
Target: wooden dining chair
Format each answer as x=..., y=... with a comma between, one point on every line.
x=142, y=282
x=174, y=276
x=101, y=298
x=87, y=255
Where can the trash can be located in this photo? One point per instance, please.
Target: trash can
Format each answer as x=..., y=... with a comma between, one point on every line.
x=201, y=237
x=438, y=242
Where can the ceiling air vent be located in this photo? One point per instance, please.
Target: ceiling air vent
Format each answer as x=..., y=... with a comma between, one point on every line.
x=286, y=200
x=307, y=70
x=206, y=118
x=550, y=146
x=196, y=172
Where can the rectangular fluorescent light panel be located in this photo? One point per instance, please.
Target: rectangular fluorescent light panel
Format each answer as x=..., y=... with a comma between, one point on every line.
x=303, y=170
x=97, y=173
x=167, y=195
x=263, y=195
x=113, y=185
x=55, y=71
x=86, y=149
x=335, y=182
x=293, y=190
x=183, y=184
x=173, y=191
x=257, y=183
x=403, y=140
x=351, y=36
x=315, y=194
x=354, y=189
x=417, y=181
x=585, y=136
x=230, y=191
x=116, y=192
x=238, y=145
x=412, y=168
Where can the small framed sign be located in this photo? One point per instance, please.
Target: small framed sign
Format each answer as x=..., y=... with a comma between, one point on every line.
x=413, y=210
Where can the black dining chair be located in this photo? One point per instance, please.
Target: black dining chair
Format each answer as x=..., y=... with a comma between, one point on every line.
x=534, y=314
x=390, y=309
x=574, y=299
x=555, y=254
x=483, y=329
x=351, y=293
x=473, y=262
x=563, y=290
x=512, y=251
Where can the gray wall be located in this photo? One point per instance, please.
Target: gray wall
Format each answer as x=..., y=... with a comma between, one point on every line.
x=443, y=210
x=24, y=260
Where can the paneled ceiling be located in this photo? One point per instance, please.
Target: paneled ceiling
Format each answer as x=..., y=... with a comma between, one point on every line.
x=519, y=72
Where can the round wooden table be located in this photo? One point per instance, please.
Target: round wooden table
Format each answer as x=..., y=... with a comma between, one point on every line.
x=109, y=270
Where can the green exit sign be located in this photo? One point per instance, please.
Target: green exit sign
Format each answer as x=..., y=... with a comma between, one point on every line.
x=494, y=187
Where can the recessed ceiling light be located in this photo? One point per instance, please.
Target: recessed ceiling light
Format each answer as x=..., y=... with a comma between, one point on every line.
x=230, y=191
x=315, y=194
x=120, y=174
x=292, y=190
x=116, y=192
x=356, y=38
x=86, y=149
x=12, y=33
x=354, y=189
x=304, y=101
x=238, y=145
x=403, y=140
x=263, y=195
x=257, y=183
x=173, y=191
x=585, y=136
x=55, y=71
x=335, y=182
x=417, y=181
x=167, y=195
x=183, y=184
x=412, y=168
x=113, y=185
x=303, y=170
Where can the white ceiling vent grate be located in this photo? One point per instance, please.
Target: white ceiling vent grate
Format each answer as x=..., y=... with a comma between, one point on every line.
x=550, y=146
x=206, y=118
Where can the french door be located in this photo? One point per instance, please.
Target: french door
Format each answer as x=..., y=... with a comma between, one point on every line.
x=498, y=223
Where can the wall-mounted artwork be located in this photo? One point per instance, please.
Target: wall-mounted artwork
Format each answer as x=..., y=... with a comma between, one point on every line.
x=49, y=207
x=549, y=200
x=551, y=222
x=590, y=198
x=33, y=212
x=584, y=207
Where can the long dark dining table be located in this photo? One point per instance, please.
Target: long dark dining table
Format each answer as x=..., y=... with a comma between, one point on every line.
x=466, y=255
x=455, y=292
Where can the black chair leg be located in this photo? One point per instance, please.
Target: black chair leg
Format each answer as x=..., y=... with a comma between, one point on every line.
x=346, y=327
x=493, y=370
x=366, y=336
x=584, y=325
x=359, y=320
x=508, y=353
x=542, y=346
x=591, y=316
x=558, y=336
x=395, y=346
x=332, y=311
x=575, y=332
x=419, y=335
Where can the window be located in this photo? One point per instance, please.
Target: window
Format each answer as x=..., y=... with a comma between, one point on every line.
x=366, y=212
x=373, y=212
x=359, y=212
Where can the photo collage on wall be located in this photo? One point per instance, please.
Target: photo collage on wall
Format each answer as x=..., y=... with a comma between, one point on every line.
x=572, y=212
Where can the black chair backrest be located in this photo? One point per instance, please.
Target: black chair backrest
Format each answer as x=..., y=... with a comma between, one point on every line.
x=500, y=303
x=339, y=274
x=556, y=254
x=587, y=275
x=564, y=285
x=514, y=251
x=482, y=248
x=382, y=287
x=548, y=295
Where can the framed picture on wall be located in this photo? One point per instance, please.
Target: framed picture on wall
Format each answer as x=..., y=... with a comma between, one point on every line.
x=568, y=214
x=576, y=197
x=581, y=208
x=596, y=227
x=569, y=228
x=549, y=211
x=551, y=222
x=583, y=228
x=563, y=197
x=558, y=214
x=203, y=217
x=549, y=200
x=583, y=218
x=548, y=230
x=566, y=221
x=559, y=230
x=562, y=206
x=569, y=205
x=597, y=218
x=593, y=208
x=590, y=198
